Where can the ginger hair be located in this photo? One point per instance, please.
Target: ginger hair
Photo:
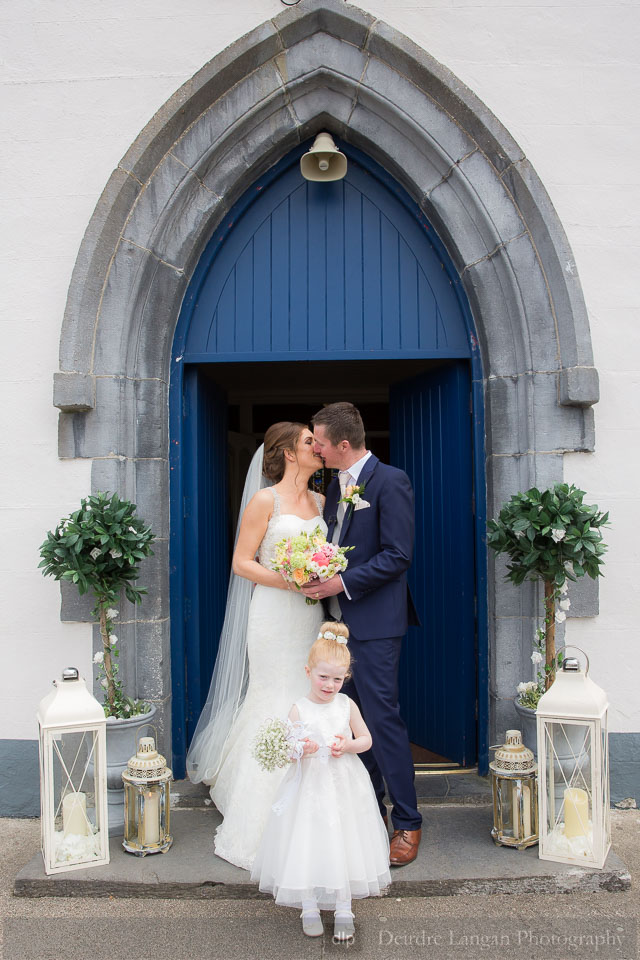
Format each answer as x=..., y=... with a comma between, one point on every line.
x=330, y=650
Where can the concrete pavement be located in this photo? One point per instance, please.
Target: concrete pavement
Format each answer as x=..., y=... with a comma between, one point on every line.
x=525, y=922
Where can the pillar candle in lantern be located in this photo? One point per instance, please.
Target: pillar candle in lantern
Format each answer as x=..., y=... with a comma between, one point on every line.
x=576, y=812
x=74, y=814
x=151, y=817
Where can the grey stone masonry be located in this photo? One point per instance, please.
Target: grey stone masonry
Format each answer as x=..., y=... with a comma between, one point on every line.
x=323, y=64
x=74, y=392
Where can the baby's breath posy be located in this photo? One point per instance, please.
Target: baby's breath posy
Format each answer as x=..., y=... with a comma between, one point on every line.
x=271, y=748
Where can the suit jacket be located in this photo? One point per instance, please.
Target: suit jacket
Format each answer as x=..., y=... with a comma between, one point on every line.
x=382, y=537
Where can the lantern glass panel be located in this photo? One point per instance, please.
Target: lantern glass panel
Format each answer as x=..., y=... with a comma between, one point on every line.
x=146, y=814
x=70, y=763
x=505, y=807
x=570, y=779
x=604, y=787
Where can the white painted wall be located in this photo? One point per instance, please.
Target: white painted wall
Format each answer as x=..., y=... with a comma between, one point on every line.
x=81, y=79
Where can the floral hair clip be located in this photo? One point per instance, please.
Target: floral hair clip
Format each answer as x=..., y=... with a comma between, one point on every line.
x=330, y=635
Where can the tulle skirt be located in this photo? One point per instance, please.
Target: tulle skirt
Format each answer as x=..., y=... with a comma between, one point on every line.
x=330, y=844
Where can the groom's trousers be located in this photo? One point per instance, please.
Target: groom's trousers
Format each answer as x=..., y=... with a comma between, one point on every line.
x=374, y=687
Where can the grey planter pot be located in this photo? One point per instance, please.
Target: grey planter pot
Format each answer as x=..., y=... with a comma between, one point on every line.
x=121, y=746
x=527, y=721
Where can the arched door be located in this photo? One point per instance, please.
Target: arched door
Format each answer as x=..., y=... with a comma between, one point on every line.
x=349, y=280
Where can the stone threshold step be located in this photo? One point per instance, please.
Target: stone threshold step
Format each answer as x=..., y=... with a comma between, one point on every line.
x=459, y=787
x=457, y=856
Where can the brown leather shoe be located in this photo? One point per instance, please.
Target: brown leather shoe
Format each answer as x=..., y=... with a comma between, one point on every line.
x=404, y=847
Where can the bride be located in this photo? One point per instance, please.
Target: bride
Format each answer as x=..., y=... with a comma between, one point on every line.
x=266, y=636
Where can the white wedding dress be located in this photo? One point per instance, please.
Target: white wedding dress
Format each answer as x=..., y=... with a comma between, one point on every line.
x=280, y=631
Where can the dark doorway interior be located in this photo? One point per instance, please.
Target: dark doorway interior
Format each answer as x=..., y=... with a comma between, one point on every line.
x=259, y=394
x=242, y=400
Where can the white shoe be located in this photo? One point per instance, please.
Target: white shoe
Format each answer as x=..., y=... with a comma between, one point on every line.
x=343, y=928
x=311, y=923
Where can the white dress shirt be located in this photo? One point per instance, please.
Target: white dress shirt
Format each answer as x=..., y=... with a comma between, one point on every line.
x=353, y=473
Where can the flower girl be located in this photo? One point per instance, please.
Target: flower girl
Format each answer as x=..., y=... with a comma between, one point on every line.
x=325, y=842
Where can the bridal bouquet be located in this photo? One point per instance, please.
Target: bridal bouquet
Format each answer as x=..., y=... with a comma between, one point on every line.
x=308, y=557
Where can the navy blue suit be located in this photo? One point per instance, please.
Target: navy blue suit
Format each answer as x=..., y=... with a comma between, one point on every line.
x=377, y=615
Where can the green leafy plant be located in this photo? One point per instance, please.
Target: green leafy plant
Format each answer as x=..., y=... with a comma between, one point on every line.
x=98, y=548
x=552, y=536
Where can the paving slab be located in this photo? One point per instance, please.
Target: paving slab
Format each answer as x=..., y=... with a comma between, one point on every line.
x=457, y=856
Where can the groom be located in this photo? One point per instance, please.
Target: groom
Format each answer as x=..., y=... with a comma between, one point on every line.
x=372, y=598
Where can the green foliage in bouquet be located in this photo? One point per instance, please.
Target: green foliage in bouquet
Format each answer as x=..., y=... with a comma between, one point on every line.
x=552, y=536
x=98, y=548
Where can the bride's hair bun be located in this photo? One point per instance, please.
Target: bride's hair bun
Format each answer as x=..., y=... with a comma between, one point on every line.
x=331, y=645
x=278, y=438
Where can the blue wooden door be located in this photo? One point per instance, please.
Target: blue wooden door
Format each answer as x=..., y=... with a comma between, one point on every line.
x=205, y=532
x=305, y=272
x=430, y=435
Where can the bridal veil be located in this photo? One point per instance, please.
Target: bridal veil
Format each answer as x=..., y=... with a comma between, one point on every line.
x=231, y=672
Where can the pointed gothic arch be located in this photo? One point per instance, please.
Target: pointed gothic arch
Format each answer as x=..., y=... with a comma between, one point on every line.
x=325, y=65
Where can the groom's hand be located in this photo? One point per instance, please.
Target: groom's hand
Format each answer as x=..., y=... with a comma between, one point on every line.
x=318, y=591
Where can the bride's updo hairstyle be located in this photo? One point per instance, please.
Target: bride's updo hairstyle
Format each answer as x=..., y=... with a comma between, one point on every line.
x=278, y=438
x=328, y=646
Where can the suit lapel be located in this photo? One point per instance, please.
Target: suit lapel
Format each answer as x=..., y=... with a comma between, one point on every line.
x=364, y=477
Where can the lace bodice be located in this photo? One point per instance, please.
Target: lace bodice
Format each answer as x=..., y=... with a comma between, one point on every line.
x=286, y=525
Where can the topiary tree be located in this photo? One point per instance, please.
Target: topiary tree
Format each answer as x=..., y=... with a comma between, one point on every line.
x=550, y=536
x=99, y=547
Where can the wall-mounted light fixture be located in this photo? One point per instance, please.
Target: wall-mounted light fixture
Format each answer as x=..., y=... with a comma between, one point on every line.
x=323, y=161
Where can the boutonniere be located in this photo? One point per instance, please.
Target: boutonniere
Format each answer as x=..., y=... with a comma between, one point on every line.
x=352, y=493
x=353, y=496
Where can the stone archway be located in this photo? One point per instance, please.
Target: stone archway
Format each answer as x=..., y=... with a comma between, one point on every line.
x=325, y=65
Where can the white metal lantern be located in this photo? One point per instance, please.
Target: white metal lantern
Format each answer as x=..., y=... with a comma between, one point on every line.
x=146, y=801
x=73, y=777
x=573, y=761
x=515, y=801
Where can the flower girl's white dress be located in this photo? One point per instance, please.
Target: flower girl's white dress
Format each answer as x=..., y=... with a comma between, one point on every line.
x=329, y=843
